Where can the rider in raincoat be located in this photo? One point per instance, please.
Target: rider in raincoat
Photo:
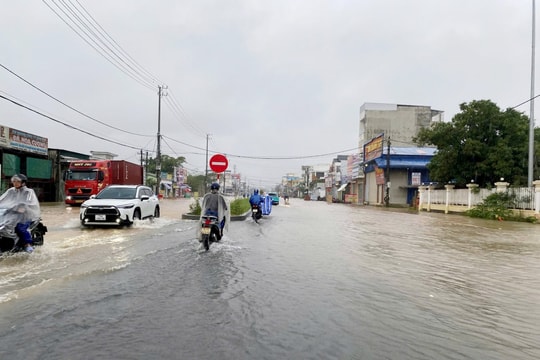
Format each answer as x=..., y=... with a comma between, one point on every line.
x=215, y=204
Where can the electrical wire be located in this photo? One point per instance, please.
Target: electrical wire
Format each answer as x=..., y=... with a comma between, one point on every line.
x=119, y=48
x=110, y=58
x=66, y=124
x=68, y=106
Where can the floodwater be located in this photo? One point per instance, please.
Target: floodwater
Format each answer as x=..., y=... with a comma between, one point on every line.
x=310, y=281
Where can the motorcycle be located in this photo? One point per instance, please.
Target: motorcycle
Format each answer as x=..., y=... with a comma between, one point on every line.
x=210, y=230
x=9, y=240
x=256, y=212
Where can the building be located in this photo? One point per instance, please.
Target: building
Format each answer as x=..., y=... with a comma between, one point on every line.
x=390, y=123
x=396, y=174
x=336, y=179
x=399, y=123
x=22, y=152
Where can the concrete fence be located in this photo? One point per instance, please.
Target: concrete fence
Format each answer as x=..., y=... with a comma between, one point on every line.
x=527, y=200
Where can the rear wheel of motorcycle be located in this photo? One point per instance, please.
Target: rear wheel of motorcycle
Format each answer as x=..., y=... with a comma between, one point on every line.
x=216, y=236
x=206, y=242
x=37, y=238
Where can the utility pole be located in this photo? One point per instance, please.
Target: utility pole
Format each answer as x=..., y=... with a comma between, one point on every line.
x=146, y=165
x=531, y=113
x=143, y=167
x=158, y=154
x=387, y=196
x=206, y=170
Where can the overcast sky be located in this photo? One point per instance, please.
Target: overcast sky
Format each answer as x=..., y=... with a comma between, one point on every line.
x=265, y=79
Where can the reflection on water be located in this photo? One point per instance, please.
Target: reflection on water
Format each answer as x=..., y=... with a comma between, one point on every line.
x=311, y=281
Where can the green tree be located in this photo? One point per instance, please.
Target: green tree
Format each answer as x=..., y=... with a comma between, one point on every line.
x=481, y=143
x=196, y=182
x=167, y=164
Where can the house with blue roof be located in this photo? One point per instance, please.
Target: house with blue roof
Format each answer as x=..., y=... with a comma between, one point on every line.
x=397, y=174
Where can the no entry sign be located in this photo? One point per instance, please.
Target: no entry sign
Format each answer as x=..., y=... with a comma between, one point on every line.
x=219, y=163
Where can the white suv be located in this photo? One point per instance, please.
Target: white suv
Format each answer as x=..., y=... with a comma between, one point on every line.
x=119, y=205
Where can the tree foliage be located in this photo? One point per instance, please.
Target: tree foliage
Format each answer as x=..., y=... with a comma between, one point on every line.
x=167, y=164
x=196, y=182
x=481, y=143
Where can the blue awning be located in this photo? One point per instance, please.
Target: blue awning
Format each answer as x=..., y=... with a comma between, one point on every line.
x=401, y=163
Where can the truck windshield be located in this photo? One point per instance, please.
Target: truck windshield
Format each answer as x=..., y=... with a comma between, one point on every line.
x=82, y=175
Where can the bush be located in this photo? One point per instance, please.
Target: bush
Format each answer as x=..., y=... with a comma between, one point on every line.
x=195, y=207
x=238, y=207
x=497, y=206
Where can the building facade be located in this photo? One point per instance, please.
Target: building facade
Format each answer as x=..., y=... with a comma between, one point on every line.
x=396, y=125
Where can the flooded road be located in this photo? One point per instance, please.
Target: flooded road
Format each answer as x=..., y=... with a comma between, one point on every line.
x=310, y=281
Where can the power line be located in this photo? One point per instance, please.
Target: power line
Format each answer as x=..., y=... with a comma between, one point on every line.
x=291, y=157
x=119, y=48
x=111, y=59
x=67, y=125
x=70, y=107
x=526, y=101
x=179, y=112
x=97, y=37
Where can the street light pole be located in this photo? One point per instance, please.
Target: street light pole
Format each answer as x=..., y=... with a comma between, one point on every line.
x=531, y=113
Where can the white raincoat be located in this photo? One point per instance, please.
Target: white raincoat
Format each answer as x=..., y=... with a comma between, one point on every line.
x=19, y=206
x=223, y=210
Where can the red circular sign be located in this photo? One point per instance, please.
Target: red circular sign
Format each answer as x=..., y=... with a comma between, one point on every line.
x=218, y=163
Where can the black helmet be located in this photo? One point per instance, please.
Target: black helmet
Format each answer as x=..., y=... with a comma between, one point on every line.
x=21, y=177
x=214, y=186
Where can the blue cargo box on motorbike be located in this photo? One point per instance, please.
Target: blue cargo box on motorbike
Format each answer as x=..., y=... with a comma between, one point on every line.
x=266, y=205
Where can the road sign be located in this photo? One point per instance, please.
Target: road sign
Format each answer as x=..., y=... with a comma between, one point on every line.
x=218, y=163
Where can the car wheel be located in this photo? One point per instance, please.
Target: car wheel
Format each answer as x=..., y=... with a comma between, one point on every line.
x=156, y=212
x=137, y=215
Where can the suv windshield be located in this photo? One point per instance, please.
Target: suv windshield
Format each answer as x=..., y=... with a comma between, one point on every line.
x=117, y=193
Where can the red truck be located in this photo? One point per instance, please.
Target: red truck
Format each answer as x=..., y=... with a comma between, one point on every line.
x=87, y=177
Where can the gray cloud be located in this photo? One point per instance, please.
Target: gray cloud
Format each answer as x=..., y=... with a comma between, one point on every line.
x=265, y=78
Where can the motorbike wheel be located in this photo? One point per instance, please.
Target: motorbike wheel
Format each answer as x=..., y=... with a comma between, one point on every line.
x=37, y=238
x=255, y=217
x=206, y=242
x=216, y=235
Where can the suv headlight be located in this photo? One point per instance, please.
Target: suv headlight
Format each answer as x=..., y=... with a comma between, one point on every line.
x=125, y=206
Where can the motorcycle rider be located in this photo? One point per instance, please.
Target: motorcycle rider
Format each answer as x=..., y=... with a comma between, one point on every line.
x=255, y=199
x=215, y=204
x=22, y=202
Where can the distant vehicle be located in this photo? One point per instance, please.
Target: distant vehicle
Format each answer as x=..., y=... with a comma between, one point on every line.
x=318, y=194
x=120, y=205
x=88, y=177
x=275, y=198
